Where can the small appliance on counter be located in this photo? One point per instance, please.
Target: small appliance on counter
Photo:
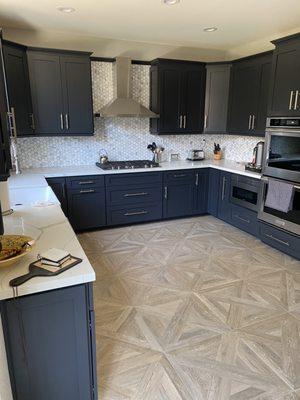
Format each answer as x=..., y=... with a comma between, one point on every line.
x=103, y=156
x=196, y=155
x=257, y=159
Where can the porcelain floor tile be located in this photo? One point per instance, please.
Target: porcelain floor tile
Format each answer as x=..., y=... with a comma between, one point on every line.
x=194, y=309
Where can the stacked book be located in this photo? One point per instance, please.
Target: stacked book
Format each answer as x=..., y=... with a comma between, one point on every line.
x=54, y=257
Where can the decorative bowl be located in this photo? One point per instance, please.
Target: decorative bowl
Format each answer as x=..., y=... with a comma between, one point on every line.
x=24, y=251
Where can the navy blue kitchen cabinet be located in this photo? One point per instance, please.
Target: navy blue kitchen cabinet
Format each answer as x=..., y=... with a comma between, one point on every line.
x=285, y=78
x=134, y=197
x=245, y=219
x=61, y=90
x=179, y=193
x=201, y=191
x=5, y=160
x=177, y=94
x=58, y=185
x=224, y=205
x=86, y=208
x=50, y=343
x=17, y=78
x=213, y=191
x=280, y=240
x=248, y=98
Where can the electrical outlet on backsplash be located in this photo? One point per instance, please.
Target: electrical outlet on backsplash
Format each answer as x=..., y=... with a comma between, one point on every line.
x=123, y=138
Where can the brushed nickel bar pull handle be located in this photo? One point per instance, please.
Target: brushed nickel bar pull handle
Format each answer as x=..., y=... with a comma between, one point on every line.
x=135, y=194
x=197, y=179
x=130, y=214
x=223, y=187
x=67, y=121
x=291, y=99
x=250, y=122
x=184, y=121
x=12, y=122
x=85, y=182
x=32, y=121
x=87, y=191
x=64, y=190
x=296, y=100
x=277, y=240
x=242, y=219
x=205, y=121
x=61, y=122
x=179, y=175
x=166, y=192
x=180, y=121
x=253, y=122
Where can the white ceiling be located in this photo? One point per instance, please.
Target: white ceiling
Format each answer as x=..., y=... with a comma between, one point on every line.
x=239, y=22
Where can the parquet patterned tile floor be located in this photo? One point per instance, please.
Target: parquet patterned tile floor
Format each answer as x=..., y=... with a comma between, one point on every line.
x=194, y=309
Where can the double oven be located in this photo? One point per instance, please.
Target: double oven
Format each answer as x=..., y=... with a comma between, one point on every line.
x=281, y=162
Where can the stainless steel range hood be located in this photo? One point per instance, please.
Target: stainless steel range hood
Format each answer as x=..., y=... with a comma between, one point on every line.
x=123, y=105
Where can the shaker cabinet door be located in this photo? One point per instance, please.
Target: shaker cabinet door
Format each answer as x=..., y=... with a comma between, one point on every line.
x=243, y=97
x=170, y=117
x=17, y=78
x=77, y=94
x=46, y=90
x=193, y=99
x=216, y=98
x=285, y=80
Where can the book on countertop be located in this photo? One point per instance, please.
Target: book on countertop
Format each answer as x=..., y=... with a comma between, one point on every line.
x=54, y=257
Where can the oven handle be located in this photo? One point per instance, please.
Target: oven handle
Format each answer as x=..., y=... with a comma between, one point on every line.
x=265, y=180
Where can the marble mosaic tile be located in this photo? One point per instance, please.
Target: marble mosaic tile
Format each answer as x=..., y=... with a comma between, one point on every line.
x=123, y=138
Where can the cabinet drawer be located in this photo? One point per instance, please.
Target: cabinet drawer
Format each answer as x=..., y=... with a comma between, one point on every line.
x=133, y=195
x=244, y=219
x=280, y=240
x=180, y=175
x=85, y=181
x=131, y=214
x=133, y=179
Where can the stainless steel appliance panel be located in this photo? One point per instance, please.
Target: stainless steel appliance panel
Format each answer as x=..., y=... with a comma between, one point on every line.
x=289, y=221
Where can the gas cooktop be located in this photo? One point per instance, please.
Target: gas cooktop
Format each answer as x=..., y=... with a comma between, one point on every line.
x=127, y=164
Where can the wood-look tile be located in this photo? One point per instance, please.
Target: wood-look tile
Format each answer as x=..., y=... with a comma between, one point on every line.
x=194, y=309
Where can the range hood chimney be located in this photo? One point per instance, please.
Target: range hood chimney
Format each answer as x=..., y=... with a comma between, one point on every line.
x=123, y=105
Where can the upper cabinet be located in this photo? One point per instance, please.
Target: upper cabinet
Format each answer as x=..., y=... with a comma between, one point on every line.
x=216, y=98
x=61, y=90
x=17, y=78
x=177, y=95
x=284, y=97
x=248, y=98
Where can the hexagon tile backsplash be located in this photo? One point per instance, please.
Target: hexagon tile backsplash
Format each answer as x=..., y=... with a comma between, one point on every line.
x=123, y=138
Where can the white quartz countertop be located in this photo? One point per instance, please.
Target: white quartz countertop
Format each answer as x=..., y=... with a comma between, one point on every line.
x=33, y=177
x=41, y=217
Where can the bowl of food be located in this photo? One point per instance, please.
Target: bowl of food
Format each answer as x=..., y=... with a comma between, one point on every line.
x=14, y=247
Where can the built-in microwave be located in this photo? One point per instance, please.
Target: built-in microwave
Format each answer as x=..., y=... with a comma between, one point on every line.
x=282, y=149
x=245, y=192
x=289, y=221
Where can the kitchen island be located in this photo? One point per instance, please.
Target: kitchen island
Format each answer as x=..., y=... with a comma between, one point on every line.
x=45, y=303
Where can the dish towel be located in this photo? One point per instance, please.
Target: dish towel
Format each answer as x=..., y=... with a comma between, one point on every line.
x=280, y=196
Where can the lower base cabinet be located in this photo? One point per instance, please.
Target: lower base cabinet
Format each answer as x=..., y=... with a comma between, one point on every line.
x=201, y=191
x=224, y=205
x=50, y=342
x=86, y=208
x=179, y=193
x=280, y=240
x=244, y=219
x=59, y=187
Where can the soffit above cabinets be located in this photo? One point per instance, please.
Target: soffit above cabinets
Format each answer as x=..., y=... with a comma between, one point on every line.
x=240, y=23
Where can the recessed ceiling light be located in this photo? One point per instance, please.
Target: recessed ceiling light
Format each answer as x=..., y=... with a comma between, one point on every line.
x=210, y=29
x=170, y=2
x=66, y=9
